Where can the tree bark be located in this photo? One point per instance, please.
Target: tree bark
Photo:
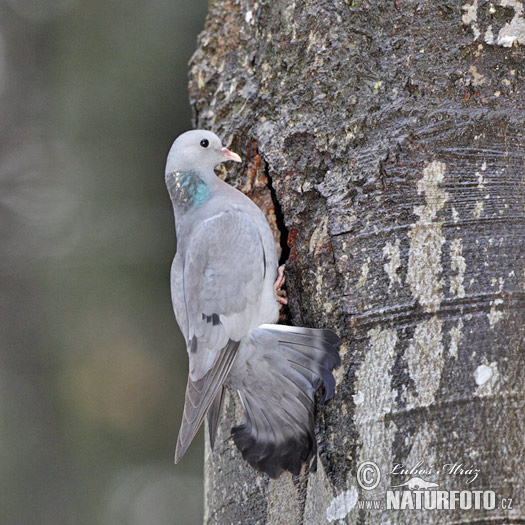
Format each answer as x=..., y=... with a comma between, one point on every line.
x=384, y=141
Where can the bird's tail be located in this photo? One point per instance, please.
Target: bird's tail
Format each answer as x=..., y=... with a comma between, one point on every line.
x=281, y=368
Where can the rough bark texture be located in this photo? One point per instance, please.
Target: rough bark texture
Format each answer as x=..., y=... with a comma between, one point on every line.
x=384, y=140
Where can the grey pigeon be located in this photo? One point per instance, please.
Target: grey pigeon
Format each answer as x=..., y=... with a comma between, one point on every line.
x=223, y=293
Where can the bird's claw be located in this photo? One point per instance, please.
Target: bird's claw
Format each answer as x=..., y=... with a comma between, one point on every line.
x=280, y=295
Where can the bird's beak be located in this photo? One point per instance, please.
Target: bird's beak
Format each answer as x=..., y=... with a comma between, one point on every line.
x=230, y=155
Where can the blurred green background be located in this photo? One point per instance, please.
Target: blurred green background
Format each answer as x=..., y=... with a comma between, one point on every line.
x=92, y=366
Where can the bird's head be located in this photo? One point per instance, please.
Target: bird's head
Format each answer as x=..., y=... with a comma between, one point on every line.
x=198, y=149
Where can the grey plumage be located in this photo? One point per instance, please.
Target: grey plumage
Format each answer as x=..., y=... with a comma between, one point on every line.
x=222, y=291
x=277, y=392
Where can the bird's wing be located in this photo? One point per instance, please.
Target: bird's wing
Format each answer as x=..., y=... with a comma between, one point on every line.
x=214, y=413
x=177, y=294
x=223, y=274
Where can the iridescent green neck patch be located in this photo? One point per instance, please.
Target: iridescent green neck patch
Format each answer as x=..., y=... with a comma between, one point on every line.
x=187, y=189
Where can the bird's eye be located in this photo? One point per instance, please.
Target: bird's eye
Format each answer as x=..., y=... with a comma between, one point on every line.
x=205, y=143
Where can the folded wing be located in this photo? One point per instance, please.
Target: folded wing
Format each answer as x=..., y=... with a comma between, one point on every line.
x=222, y=280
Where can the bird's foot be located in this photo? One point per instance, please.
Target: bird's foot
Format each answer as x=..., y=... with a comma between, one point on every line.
x=280, y=295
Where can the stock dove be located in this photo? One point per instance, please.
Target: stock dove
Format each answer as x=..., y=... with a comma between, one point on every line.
x=223, y=287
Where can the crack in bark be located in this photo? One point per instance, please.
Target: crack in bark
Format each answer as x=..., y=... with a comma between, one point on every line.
x=279, y=218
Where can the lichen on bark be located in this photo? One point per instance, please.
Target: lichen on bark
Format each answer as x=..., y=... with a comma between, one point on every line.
x=386, y=145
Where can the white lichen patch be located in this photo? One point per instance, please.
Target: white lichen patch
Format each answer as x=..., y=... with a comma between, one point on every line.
x=489, y=35
x=477, y=78
x=514, y=31
x=495, y=315
x=375, y=398
x=342, y=505
x=433, y=174
x=486, y=377
x=339, y=373
x=481, y=180
x=511, y=33
x=372, y=377
x=364, y=274
x=470, y=14
x=470, y=17
x=320, y=290
x=455, y=337
x=424, y=357
x=457, y=263
x=426, y=240
x=392, y=253
x=319, y=236
x=478, y=209
x=499, y=282
x=359, y=398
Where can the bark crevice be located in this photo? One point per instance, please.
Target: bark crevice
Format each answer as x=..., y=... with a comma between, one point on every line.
x=280, y=221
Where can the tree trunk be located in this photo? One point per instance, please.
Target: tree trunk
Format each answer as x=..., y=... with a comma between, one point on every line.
x=384, y=141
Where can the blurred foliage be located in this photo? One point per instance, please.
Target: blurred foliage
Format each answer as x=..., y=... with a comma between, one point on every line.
x=92, y=366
